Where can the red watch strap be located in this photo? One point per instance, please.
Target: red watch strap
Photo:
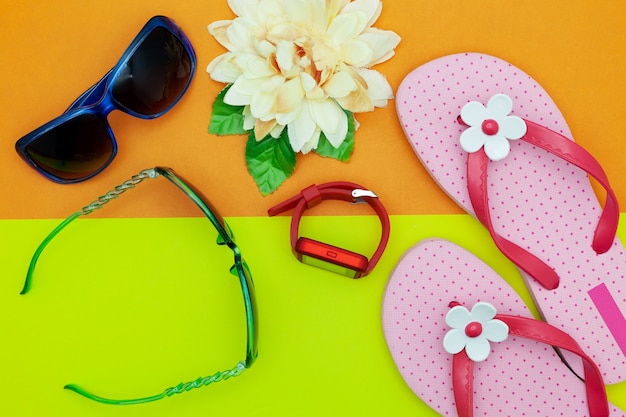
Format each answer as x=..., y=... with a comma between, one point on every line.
x=385, y=231
x=338, y=190
x=462, y=366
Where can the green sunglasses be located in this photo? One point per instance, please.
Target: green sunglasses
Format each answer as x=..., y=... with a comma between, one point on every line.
x=224, y=237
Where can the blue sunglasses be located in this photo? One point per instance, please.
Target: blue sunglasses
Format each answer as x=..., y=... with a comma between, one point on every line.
x=152, y=75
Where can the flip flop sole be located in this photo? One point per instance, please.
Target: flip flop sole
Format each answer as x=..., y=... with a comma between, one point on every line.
x=520, y=377
x=537, y=200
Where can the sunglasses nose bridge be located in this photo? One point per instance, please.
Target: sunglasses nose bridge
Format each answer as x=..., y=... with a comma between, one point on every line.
x=104, y=106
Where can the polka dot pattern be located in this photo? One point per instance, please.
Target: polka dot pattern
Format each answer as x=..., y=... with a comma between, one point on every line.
x=536, y=200
x=519, y=378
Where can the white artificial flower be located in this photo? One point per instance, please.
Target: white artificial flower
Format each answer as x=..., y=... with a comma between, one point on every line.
x=491, y=127
x=474, y=330
x=300, y=63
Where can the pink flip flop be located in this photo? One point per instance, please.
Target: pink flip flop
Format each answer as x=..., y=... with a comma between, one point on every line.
x=496, y=143
x=479, y=362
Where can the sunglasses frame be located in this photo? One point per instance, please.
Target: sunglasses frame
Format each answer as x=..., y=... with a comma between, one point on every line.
x=239, y=269
x=98, y=100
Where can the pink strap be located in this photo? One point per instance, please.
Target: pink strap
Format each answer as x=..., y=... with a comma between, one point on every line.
x=569, y=151
x=463, y=367
x=477, y=187
x=463, y=384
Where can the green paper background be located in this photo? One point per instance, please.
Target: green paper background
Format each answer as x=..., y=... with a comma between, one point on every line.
x=129, y=307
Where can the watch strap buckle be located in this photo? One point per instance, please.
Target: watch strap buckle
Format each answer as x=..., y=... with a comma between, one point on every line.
x=358, y=195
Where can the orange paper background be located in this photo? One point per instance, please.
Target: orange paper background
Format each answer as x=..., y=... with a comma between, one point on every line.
x=53, y=51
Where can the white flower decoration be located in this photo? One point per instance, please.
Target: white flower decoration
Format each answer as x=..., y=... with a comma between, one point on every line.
x=300, y=63
x=474, y=330
x=491, y=127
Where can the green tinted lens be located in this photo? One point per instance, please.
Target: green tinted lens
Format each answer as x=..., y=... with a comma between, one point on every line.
x=201, y=201
x=252, y=320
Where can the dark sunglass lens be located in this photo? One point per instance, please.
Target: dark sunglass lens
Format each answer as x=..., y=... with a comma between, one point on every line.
x=155, y=75
x=74, y=149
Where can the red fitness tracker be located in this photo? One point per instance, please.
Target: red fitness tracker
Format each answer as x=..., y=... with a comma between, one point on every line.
x=323, y=255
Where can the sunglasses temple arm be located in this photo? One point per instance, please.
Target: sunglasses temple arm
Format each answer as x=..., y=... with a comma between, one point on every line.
x=178, y=389
x=95, y=205
x=42, y=246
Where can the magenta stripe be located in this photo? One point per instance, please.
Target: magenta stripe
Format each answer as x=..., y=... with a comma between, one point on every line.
x=611, y=314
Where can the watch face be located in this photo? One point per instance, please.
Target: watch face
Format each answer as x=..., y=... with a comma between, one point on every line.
x=320, y=263
x=331, y=258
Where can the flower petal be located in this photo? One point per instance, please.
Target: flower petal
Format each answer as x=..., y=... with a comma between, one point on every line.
x=248, y=120
x=218, y=30
x=235, y=98
x=325, y=57
x=454, y=341
x=512, y=127
x=472, y=139
x=497, y=147
x=308, y=82
x=244, y=8
x=499, y=106
x=458, y=317
x=289, y=96
x=223, y=69
x=302, y=129
x=381, y=42
x=248, y=86
x=263, y=101
x=337, y=138
x=253, y=65
x=262, y=128
x=356, y=53
x=331, y=119
x=299, y=12
x=334, y=7
x=277, y=131
x=239, y=34
x=284, y=31
x=378, y=88
x=372, y=8
x=265, y=48
x=267, y=11
x=311, y=143
x=357, y=101
x=495, y=330
x=477, y=348
x=346, y=26
x=483, y=312
x=340, y=85
x=285, y=52
x=474, y=113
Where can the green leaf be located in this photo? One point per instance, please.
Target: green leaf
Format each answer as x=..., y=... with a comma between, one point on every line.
x=270, y=161
x=226, y=119
x=343, y=153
